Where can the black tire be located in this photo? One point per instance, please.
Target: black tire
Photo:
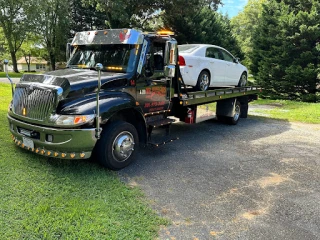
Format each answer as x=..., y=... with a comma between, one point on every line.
x=243, y=80
x=236, y=114
x=203, y=82
x=221, y=118
x=110, y=151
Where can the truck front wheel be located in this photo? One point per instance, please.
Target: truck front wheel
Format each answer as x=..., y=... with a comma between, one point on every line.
x=116, y=147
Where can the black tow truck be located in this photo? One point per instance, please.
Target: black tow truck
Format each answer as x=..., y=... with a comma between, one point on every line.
x=119, y=85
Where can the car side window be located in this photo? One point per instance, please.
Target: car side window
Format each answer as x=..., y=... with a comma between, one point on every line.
x=227, y=56
x=213, y=53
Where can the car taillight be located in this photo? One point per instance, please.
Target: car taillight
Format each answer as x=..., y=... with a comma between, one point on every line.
x=182, y=62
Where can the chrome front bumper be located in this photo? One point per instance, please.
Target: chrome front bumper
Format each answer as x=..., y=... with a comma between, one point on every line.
x=66, y=143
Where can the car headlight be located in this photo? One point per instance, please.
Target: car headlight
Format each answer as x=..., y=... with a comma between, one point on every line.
x=73, y=120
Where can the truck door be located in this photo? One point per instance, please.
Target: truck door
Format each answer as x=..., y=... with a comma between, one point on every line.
x=153, y=88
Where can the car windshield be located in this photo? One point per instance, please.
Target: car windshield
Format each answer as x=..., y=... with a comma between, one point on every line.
x=113, y=57
x=187, y=48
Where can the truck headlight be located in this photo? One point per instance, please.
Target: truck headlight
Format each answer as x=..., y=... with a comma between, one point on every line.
x=10, y=107
x=73, y=120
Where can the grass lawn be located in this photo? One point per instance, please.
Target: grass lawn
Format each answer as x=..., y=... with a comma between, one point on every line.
x=44, y=198
x=16, y=75
x=11, y=74
x=288, y=110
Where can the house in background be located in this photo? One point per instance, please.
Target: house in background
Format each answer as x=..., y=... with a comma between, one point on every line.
x=36, y=64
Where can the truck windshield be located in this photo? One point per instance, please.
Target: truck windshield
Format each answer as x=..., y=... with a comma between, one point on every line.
x=113, y=57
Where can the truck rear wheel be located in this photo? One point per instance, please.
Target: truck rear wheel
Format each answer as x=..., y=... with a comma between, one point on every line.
x=116, y=147
x=236, y=114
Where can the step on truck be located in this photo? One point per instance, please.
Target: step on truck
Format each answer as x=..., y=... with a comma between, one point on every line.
x=118, y=87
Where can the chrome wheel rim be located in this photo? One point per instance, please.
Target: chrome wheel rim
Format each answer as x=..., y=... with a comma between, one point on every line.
x=204, y=82
x=236, y=113
x=123, y=146
x=243, y=81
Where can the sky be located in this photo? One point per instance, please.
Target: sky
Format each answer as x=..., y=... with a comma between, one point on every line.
x=232, y=7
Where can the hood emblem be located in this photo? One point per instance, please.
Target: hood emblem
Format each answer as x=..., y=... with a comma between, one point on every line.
x=30, y=89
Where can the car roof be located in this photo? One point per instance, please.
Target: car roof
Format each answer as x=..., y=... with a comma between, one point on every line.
x=198, y=48
x=201, y=45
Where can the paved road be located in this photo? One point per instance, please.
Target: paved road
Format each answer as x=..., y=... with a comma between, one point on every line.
x=257, y=180
x=5, y=80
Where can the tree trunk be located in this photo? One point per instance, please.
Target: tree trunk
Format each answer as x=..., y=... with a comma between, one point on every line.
x=28, y=59
x=14, y=61
x=53, y=61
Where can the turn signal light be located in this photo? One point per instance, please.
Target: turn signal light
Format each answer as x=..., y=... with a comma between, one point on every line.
x=79, y=119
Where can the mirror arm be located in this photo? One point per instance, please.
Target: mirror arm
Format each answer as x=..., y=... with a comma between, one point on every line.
x=6, y=69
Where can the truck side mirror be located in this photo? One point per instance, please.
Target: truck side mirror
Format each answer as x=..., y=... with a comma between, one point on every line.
x=170, y=54
x=170, y=58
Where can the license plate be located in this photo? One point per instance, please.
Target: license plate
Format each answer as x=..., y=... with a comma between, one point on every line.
x=27, y=142
x=25, y=132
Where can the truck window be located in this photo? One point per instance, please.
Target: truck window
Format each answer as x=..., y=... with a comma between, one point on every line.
x=114, y=57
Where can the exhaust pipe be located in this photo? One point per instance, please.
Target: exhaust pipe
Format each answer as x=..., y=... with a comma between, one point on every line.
x=98, y=129
x=6, y=61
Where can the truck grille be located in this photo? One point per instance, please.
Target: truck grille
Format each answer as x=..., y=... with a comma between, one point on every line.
x=33, y=103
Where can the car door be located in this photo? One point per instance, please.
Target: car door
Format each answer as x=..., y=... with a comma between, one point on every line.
x=217, y=67
x=232, y=69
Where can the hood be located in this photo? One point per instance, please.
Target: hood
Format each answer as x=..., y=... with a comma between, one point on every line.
x=75, y=81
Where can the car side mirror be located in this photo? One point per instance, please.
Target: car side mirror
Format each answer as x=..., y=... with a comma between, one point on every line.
x=236, y=60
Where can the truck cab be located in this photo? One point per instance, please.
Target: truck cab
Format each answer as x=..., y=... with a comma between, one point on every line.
x=55, y=114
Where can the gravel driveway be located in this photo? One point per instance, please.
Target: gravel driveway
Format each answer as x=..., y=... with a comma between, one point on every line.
x=257, y=180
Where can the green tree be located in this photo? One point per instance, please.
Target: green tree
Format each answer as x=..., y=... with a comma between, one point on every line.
x=122, y=13
x=206, y=26
x=285, y=56
x=31, y=47
x=16, y=18
x=53, y=25
x=243, y=26
x=132, y=13
x=85, y=17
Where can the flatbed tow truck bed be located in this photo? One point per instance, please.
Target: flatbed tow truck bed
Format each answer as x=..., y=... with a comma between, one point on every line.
x=209, y=96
